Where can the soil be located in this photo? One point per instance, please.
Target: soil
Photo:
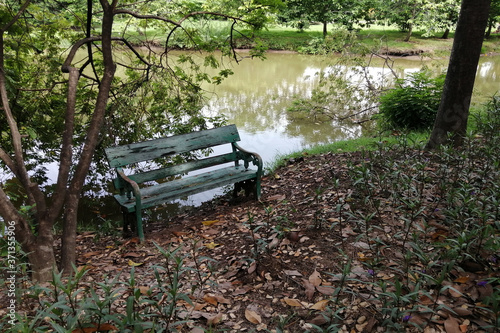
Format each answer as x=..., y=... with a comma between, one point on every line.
x=279, y=264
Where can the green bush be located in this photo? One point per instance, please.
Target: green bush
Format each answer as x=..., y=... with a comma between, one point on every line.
x=414, y=102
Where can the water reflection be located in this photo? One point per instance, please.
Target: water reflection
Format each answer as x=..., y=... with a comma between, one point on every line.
x=257, y=96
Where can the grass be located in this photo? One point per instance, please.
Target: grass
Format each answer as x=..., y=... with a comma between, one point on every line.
x=279, y=37
x=345, y=146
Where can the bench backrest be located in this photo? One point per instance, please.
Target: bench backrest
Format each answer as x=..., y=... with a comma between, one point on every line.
x=121, y=156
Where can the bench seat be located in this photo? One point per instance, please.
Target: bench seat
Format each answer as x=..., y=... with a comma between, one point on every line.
x=154, y=195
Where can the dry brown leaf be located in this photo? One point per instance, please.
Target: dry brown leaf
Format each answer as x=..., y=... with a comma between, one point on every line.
x=321, y=305
x=131, y=255
x=253, y=317
x=462, y=279
x=210, y=299
x=222, y=300
x=180, y=233
x=144, y=289
x=292, y=272
x=252, y=268
x=451, y=325
x=90, y=254
x=456, y=291
x=319, y=320
x=325, y=290
x=277, y=197
x=315, y=278
x=214, y=319
x=292, y=302
x=309, y=289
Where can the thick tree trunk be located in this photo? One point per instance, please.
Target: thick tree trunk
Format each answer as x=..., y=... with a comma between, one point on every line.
x=325, y=29
x=41, y=257
x=68, y=238
x=453, y=111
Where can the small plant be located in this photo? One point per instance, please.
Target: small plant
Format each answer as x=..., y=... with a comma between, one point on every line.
x=414, y=102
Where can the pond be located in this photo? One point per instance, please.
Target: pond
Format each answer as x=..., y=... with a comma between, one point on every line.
x=257, y=96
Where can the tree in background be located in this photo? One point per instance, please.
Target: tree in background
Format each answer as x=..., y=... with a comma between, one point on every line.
x=342, y=12
x=494, y=17
x=430, y=15
x=451, y=120
x=63, y=109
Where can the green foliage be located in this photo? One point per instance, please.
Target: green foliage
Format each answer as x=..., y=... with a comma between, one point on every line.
x=72, y=303
x=414, y=102
x=334, y=42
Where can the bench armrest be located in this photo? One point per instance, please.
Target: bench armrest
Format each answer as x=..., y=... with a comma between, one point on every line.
x=135, y=187
x=249, y=156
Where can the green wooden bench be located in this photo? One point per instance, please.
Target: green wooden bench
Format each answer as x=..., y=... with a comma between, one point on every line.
x=141, y=190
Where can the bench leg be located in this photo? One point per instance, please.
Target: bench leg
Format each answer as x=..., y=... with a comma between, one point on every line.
x=128, y=223
x=140, y=232
x=250, y=186
x=257, y=189
x=132, y=224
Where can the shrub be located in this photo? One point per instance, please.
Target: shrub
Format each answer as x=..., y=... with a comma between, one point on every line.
x=414, y=103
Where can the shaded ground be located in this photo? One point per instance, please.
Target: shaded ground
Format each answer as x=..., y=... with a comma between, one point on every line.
x=309, y=255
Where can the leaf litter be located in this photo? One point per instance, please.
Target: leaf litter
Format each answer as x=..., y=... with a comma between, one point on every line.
x=298, y=259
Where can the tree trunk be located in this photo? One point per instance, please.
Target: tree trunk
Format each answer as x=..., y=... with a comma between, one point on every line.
x=488, y=32
x=68, y=249
x=68, y=238
x=409, y=33
x=325, y=29
x=446, y=34
x=453, y=111
x=41, y=257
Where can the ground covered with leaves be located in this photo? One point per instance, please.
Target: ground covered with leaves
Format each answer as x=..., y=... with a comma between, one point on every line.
x=395, y=239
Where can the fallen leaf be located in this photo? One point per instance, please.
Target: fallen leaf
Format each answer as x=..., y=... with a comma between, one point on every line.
x=462, y=279
x=451, y=325
x=321, y=305
x=96, y=328
x=252, y=268
x=180, y=233
x=315, y=278
x=90, y=254
x=210, y=299
x=456, y=291
x=292, y=272
x=144, y=289
x=325, y=290
x=134, y=264
x=209, y=223
x=252, y=316
x=211, y=245
x=292, y=302
x=277, y=197
x=131, y=254
x=222, y=300
x=319, y=320
x=309, y=289
x=214, y=319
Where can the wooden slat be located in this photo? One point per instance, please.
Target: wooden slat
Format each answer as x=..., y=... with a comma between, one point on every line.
x=148, y=150
x=184, y=168
x=175, y=189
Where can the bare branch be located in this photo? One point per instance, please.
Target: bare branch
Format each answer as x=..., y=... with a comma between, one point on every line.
x=8, y=161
